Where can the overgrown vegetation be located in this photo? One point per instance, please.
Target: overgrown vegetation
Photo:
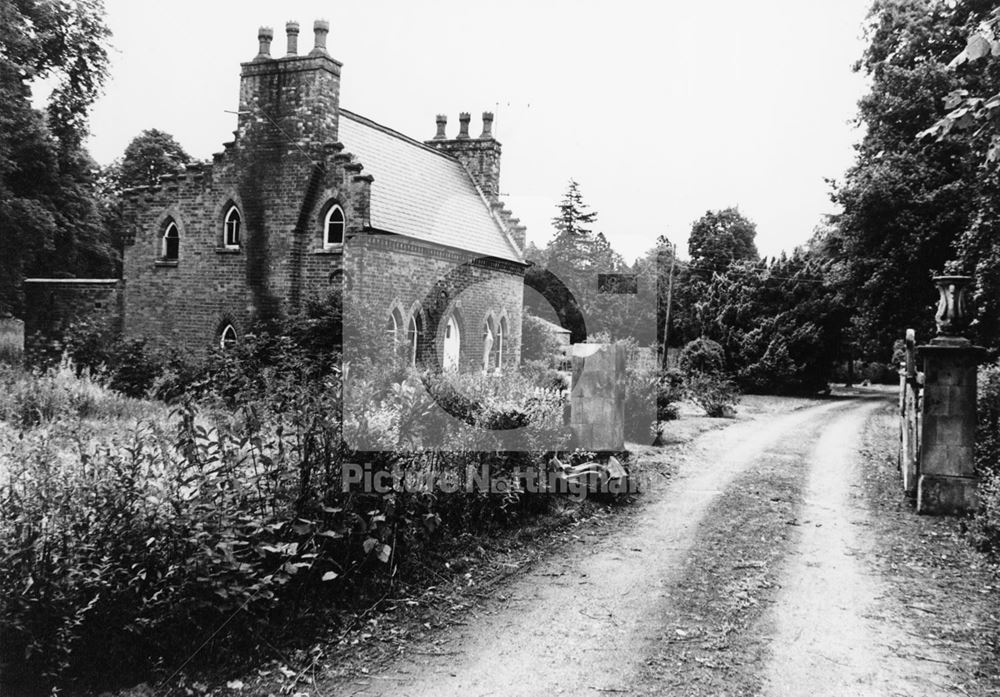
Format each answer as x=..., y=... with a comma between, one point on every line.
x=985, y=530
x=125, y=548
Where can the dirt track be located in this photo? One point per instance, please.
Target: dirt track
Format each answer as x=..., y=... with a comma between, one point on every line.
x=806, y=615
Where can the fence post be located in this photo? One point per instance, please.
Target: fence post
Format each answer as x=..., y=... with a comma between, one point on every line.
x=909, y=413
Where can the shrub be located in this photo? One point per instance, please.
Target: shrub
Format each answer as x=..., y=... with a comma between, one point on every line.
x=671, y=390
x=650, y=397
x=985, y=529
x=641, y=393
x=715, y=393
x=702, y=356
x=124, y=552
x=130, y=366
x=30, y=399
x=11, y=340
x=537, y=342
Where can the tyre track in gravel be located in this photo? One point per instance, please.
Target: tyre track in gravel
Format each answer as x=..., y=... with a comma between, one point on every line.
x=584, y=621
x=836, y=630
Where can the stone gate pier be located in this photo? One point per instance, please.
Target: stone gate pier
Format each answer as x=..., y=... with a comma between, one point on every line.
x=946, y=475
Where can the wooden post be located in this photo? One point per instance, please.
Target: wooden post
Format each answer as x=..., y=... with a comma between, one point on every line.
x=909, y=418
x=666, y=319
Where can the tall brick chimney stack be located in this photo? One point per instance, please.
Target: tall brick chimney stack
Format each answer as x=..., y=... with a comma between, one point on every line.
x=463, y=125
x=320, y=29
x=292, y=101
x=481, y=155
x=265, y=35
x=292, y=30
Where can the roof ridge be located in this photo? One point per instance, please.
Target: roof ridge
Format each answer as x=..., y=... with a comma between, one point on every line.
x=396, y=134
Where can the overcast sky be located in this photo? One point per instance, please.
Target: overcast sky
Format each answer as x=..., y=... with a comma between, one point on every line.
x=660, y=111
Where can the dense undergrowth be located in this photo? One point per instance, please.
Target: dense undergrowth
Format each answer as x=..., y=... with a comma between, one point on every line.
x=985, y=528
x=139, y=535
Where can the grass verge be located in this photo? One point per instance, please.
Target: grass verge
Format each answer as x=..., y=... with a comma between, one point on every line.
x=949, y=591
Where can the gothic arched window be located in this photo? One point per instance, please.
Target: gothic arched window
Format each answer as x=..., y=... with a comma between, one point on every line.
x=228, y=337
x=170, y=247
x=333, y=226
x=231, y=228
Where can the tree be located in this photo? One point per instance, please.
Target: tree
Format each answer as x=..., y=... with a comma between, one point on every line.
x=50, y=223
x=906, y=201
x=570, y=252
x=721, y=237
x=151, y=155
x=59, y=40
x=972, y=122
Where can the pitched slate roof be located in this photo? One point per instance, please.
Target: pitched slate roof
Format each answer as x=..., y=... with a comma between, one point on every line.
x=422, y=193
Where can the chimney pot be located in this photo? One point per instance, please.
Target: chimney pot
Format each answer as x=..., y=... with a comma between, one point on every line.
x=321, y=28
x=442, y=122
x=292, y=30
x=487, y=125
x=463, y=125
x=264, y=36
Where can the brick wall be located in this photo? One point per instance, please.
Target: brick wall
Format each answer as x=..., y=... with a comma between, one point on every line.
x=386, y=272
x=283, y=171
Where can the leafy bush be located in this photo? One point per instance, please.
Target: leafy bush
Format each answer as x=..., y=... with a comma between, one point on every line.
x=772, y=370
x=717, y=394
x=125, y=551
x=641, y=393
x=29, y=399
x=671, y=390
x=702, y=356
x=985, y=530
x=11, y=340
x=130, y=366
x=650, y=396
x=537, y=342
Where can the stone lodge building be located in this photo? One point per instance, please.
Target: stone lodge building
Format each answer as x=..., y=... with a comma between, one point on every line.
x=307, y=198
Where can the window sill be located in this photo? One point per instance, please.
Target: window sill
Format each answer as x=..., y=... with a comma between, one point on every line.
x=339, y=249
x=165, y=263
x=228, y=250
